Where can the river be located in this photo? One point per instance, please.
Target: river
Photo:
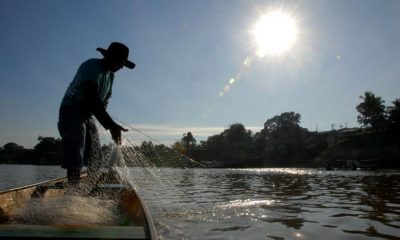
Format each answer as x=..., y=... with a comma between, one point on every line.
x=270, y=203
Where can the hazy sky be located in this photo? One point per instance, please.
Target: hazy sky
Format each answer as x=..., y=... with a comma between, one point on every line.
x=186, y=53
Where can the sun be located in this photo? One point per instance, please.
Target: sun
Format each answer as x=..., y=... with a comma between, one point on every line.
x=275, y=33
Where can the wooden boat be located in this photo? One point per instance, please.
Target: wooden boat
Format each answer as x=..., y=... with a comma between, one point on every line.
x=137, y=223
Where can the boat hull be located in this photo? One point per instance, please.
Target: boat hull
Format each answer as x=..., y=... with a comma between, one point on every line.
x=137, y=222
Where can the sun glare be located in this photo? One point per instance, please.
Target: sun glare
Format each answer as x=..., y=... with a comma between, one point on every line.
x=274, y=34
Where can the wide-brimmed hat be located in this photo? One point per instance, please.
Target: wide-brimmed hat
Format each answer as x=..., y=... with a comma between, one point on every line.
x=117, y=51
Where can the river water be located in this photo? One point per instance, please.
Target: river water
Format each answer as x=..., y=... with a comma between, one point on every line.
x=270, y=203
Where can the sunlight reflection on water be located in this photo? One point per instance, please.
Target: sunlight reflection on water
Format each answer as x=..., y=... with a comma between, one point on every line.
x=246, y=203
x=279, y=203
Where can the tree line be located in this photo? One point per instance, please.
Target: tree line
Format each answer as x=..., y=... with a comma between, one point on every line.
x=48, y=151
x=281, y=143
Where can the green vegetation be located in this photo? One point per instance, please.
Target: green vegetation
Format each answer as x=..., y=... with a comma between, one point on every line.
x=46, y=152
x=281, y=143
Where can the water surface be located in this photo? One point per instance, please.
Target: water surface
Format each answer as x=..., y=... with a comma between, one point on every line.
x=18, y=175
x=277, y=204
x=257, y=203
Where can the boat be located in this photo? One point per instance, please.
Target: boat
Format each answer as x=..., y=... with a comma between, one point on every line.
x=136, y=224
x=359, y=164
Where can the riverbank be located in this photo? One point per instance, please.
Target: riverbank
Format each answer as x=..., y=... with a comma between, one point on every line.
x=347, y=148
x=371, y=148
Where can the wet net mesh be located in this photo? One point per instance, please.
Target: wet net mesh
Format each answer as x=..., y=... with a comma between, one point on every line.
x=141, y=161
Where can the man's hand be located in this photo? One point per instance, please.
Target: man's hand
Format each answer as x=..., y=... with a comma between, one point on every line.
x=116, y=133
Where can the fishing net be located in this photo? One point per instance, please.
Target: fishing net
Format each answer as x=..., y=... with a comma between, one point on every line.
x=69, y=210
x=144, y=163
x=139, y=161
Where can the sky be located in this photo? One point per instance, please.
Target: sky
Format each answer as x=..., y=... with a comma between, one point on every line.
x=196, y=64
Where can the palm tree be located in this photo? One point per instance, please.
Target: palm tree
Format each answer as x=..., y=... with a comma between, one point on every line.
x=394, y=112
x=372, y=111
x=188, y=140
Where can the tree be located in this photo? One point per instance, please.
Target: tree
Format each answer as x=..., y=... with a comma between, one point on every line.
x=394, y=112
x=215, y=147
x=188, y=140
x=233, y=146
x=372, y=111
x=147, y=148
x=394, y=119
x=285, y=120
x=12, y=147
x=179, y=147
x=48, y=144
x=281, y=140
x=237, y=133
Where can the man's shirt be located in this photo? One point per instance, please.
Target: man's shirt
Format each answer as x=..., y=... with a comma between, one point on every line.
x=91, y=70
x=89, y=92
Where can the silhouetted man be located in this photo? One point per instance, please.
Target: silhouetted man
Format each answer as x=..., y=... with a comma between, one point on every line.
x=88, y=95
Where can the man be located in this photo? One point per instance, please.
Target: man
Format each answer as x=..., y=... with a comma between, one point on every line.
x=88, y=95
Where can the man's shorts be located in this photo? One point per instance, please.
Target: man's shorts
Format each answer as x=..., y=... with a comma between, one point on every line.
x=80, y=140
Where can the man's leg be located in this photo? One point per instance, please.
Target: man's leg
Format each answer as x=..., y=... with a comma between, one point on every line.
x=73, y=175
x=73, y=132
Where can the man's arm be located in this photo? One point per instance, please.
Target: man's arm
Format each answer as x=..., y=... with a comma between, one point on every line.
x=95, y=104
